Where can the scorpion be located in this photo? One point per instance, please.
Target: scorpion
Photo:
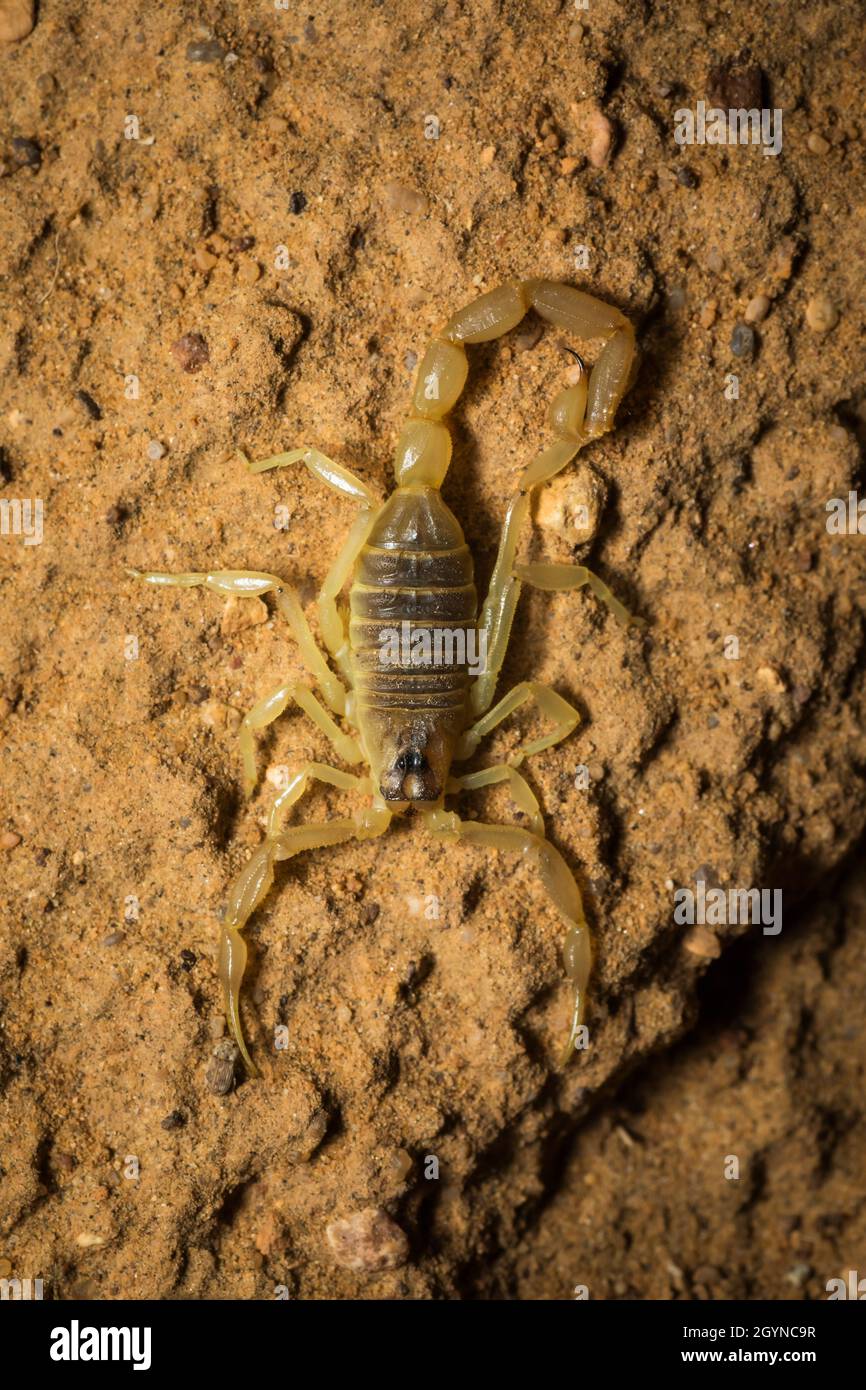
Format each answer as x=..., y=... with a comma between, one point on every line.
x=405, y=716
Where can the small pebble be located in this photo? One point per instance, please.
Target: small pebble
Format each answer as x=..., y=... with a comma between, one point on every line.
x=703, y=943
x=155, y=450
x=114, y=938
x=707, y=316
x=687, y=177
x=242, y=243
x=367, y=1242
x=715, y=260
x=9, y=839
x=17, y=18
x=821, y=314
x=174, y=1120
x=240, y=614
x=204, y=259
x=297, y=203
x=743, y=340
x=601, y=132
x=782, y=260
x=220, y=1074
x=205, y=51
x=249, y=271
x=191, y=351
x=487, y=156
x=26, y=153
x=769, y=677
x=757, y=309
x=402, y=199
x=87, y=1240
x=817, y=144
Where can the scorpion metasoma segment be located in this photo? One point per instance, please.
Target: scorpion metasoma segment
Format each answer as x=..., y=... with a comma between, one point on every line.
x=408, y=688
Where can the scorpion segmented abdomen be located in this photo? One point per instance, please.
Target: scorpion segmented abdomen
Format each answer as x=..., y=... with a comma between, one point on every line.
x=413, y=576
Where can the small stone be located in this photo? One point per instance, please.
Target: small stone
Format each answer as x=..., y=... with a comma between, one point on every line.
x=204, y=259
x=174, y=1120
x=782, y=260
x=769, y=677
x=191, y=351
x=817, y=144
x=707, y=316
x=205, y=51
x=734, y=85
x=242, y=243
x=240, y=614
x=571, y=506
x=114, y=938
x=743, y=340
x=757, y=309
x=601, y=133
x=399, y=198
x=821, y=314
x=715, y=260
x=220, y=1074
x=297, y=203
x=26, y=152
x=87, y=1240
x=687, y=177
x=249, y=271
x=155, y=450
x=367, y=1242
x=703, y=943
x=9, y=839
x=570, y=164
x=487, y=156
x=17, y=18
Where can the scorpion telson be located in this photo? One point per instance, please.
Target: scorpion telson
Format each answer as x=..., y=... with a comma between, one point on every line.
x=406, y=563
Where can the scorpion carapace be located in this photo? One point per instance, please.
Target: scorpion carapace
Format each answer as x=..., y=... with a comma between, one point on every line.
x=417, y=663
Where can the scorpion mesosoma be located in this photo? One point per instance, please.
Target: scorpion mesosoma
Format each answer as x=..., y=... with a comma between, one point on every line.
x=407, y=563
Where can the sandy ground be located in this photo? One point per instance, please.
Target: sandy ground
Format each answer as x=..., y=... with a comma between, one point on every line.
x=225, y=226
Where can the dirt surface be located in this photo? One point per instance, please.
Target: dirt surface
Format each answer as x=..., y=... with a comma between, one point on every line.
x=230, y=226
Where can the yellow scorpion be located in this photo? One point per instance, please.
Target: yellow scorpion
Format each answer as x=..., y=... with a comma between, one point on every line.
x=415, y=706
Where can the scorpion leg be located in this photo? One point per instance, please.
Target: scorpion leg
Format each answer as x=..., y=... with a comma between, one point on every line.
x=553, y=578
x=271, y=707
x=249, y=888
x=348, y=484
x=565, y=718
x=521, y=792
x=252, y=584
x=557, y=879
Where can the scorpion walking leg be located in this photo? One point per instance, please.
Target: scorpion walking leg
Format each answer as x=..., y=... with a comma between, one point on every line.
x=565, y=718
x=341, y=480
x=521, y=792
x=558, y=577
x=557, y=879
x=252, y=584
x=251, y=885
x=271, y=707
